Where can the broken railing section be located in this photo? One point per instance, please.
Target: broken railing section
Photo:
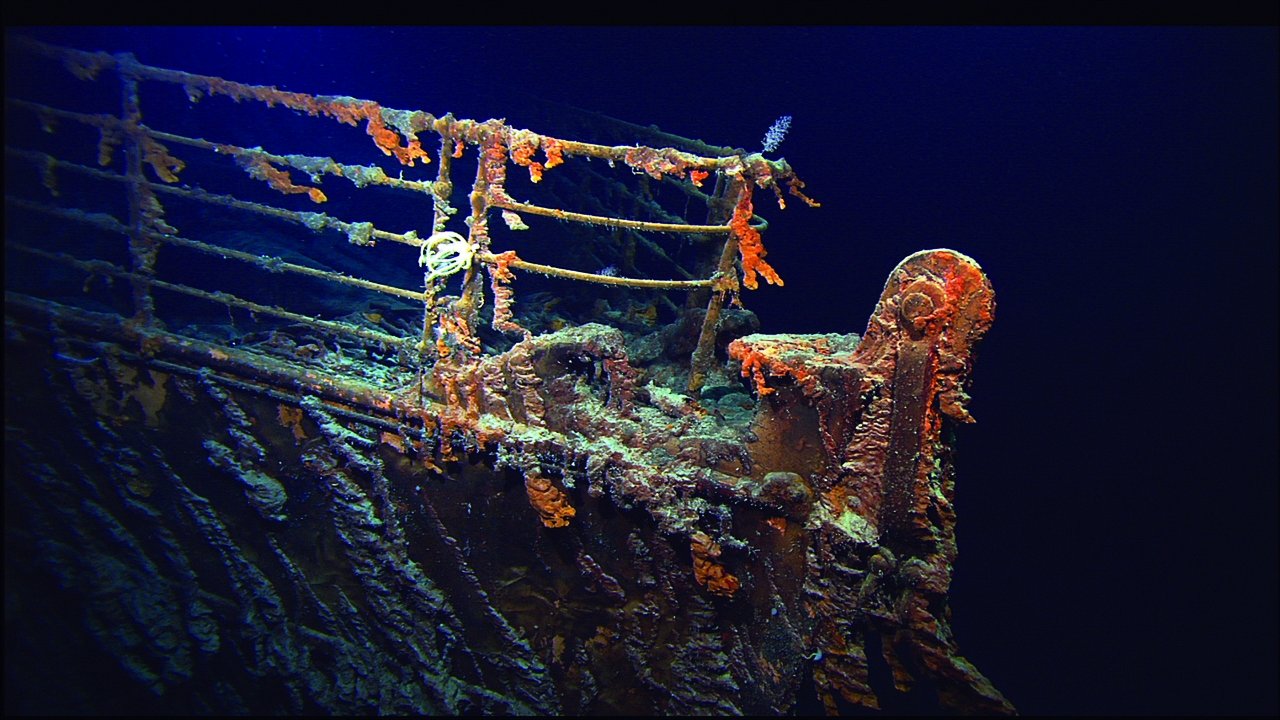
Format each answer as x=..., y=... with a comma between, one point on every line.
x=446, y=321
x=883, y=526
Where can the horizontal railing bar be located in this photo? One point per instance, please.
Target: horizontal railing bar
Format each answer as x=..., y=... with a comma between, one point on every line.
x=276, y=264
x=93, y=62
x=94, y=119
x=102, y=267
x=595, y=278
x=318, y=221
x=559, y=214
x=265, y=262
x=372, y=175
x=357, y=174
x=282, y=373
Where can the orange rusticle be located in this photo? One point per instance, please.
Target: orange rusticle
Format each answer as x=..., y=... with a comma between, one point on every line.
x=384, y=137
x=108, y=140
x=657, y=163
x=279, y=180
x=157, y=156
x=753, y=363
x=697, y=176
x=500, y=276
x=523, y=145
x=493, y=156
x=771, y=359
x=750, y=246
x=347, y=111
x=344, y=110
x=554, y=152
x=795, y=186
x=388, y=141
x=550, y=501
x=522, y=150
x=454, y=325
x=291, y=418
x=502, y=265
x=707, y=571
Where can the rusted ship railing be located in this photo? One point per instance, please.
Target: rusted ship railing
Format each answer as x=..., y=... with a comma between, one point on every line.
x=449, y=324
x=438, y=527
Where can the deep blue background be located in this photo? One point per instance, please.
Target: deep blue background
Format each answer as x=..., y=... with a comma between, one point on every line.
x=1117, y=497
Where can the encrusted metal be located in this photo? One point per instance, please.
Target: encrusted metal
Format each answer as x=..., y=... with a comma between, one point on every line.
x=640, y=508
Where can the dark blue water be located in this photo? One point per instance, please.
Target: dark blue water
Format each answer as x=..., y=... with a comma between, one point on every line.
x=1117, y=497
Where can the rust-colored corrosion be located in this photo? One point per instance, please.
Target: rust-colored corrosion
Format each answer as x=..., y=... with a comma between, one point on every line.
x=885, y=483
x=432, y=518
x=706, y=568
x=821, y=540
x=548, y=500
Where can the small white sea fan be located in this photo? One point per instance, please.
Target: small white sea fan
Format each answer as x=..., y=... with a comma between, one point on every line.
x=774, y=136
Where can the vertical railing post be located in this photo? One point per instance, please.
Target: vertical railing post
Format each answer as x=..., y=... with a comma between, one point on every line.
x=142, y=204
x=726, y=281
x=441, y=191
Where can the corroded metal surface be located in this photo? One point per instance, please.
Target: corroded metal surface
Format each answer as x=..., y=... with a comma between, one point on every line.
x=379, y=499
x=882, y=536
x=539, y=531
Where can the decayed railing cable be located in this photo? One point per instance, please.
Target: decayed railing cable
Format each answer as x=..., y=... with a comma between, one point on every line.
x=357, y=232
x=653, y=161
x=559, y=214
x=657, y=163
x=348, y=392
x=48, y=112
x=317, y=221
x=265, y=262
x=395, y=133
x=332, y=327
x=359, y=175
x=320, y=221
x=275, y=264
x=550, y=271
